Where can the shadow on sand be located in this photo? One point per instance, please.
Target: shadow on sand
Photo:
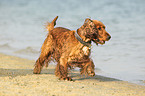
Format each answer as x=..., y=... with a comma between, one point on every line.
x=74, y=74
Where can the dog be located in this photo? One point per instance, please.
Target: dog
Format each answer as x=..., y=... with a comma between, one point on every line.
x=70, y=48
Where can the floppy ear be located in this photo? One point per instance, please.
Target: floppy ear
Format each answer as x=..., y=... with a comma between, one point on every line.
x=89, y=22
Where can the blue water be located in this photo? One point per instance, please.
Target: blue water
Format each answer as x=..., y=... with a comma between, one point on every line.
x=22, y=31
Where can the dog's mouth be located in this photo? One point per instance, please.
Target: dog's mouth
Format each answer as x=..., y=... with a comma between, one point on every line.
x=102, y=42
x=97, y=41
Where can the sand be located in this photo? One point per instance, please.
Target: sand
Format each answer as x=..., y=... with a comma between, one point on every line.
x=17, y=79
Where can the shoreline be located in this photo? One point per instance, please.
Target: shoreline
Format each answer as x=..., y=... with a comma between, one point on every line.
x=17, y=79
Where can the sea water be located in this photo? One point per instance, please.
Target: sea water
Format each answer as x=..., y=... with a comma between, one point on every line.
x=22, y=31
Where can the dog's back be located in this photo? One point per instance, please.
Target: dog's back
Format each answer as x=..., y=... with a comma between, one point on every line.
x=62, y=38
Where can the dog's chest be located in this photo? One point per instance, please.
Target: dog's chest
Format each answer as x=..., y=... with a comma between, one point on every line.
x=78, y=54
x=86, y=50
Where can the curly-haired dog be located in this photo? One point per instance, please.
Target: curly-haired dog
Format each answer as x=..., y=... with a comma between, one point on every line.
x=71, y=48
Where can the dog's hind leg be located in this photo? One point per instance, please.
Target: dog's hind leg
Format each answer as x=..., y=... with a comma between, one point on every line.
x=40, y=63
x=62, y=70
x=45, y=56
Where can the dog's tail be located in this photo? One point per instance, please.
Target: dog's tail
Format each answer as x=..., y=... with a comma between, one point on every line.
x=50, y=26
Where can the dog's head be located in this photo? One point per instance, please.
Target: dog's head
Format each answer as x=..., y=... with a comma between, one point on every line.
x=94, y=30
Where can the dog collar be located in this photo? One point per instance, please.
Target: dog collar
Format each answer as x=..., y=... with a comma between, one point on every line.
x=81, y=40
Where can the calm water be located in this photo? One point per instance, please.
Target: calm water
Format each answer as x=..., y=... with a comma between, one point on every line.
x=22, y=31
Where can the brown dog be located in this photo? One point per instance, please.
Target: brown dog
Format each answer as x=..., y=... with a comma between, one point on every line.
x=71, y=48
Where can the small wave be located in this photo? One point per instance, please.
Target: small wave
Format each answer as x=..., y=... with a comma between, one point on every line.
x=28, y=50
x=5, y=46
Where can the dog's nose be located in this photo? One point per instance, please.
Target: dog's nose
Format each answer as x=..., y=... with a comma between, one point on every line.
x=108, y=37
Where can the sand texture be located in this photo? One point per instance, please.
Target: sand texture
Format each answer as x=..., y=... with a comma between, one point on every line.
x=17, y=79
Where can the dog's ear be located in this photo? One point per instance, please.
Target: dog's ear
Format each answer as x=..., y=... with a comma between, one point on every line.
x=89, y=28
x=89, y=22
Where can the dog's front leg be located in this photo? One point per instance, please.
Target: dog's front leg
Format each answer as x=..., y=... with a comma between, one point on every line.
x=87, y=68
x=62, y=70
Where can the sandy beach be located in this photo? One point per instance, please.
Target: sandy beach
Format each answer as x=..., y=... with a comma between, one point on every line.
x=17, y=79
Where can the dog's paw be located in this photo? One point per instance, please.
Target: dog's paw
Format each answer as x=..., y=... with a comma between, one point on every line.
x=36, y=71
x=66, y=79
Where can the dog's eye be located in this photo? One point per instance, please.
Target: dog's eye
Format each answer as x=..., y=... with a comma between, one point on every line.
x=99, y=28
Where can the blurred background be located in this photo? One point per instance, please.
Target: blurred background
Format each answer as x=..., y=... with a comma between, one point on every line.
x=22, y=31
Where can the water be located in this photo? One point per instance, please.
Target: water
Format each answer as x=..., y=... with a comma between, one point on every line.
x=22, y=31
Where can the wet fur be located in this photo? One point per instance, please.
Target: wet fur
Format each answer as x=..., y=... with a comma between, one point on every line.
x=62, y=46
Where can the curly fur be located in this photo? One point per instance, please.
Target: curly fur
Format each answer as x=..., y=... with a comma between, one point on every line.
x=62, y=46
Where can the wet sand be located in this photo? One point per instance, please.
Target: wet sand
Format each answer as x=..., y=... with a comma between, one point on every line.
x=17, y=79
